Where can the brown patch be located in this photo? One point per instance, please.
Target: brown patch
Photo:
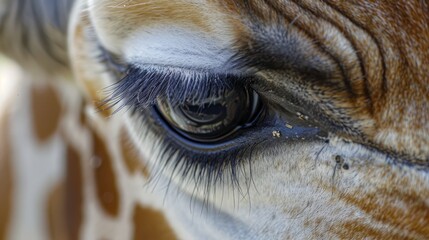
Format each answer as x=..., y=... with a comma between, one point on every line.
x=74, y=193
x=406, y=212
x=46, y=107
x=151, y=224
x=131, y=156
x=56, y=213
x=6, y=182
x=105, y=179
x=392, y=210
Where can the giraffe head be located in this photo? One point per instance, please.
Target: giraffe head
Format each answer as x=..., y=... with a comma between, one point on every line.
x=265, y=119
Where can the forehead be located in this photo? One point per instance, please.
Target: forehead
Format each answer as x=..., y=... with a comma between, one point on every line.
x=196, y=11
x=116, y=19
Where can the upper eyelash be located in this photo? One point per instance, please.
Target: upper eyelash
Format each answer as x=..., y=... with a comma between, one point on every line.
x=141, y=87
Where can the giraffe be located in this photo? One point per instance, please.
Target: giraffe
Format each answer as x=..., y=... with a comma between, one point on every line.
x=336, y=145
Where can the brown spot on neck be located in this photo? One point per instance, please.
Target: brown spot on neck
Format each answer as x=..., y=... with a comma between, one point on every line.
x=105, y=179
x=131, y=156
x=56, y=212
x=6, y=182
x=151, y=224
x=46, y=109
x=74, y=193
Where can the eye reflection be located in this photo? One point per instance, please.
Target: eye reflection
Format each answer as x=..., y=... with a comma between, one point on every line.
x=214, y=118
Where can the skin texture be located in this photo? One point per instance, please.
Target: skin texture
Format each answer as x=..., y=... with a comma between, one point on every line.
x=358, y=69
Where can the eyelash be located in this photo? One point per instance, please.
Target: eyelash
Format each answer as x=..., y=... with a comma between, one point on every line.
x=141, y=87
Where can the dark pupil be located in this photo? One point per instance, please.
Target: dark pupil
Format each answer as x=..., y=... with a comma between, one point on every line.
x=212, y=118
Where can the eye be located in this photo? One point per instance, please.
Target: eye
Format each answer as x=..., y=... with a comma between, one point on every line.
x=212, y=118
x=209, y=125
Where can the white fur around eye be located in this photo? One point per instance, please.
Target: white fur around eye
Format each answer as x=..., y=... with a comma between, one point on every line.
x=178, y=47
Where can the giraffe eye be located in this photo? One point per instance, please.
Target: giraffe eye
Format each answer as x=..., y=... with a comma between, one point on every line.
x=213, y=118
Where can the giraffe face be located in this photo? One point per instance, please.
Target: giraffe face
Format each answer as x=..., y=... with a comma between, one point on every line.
x=328, y=133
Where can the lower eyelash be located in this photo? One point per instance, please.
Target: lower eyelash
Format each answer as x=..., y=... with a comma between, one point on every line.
x=208, y=171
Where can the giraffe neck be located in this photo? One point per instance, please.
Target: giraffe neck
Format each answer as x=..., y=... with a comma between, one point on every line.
x=73, y=179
